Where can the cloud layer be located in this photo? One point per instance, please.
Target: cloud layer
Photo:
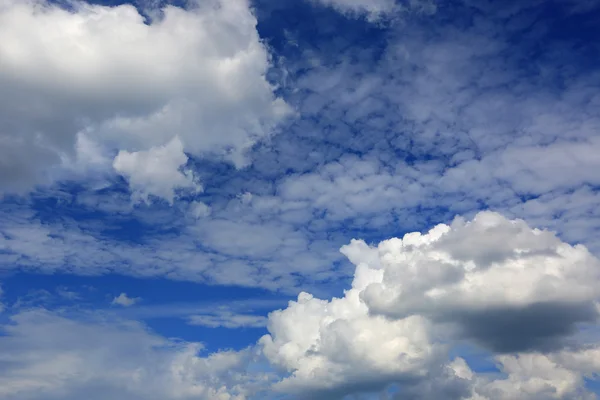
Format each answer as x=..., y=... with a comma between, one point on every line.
x=409, y=307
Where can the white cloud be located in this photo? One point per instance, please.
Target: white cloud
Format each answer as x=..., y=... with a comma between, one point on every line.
x=491, y=281
x=533, y=376
x=125, y=301
x=157, y=171
x=228, y=319
x=440, y=122
x=377, y=9
x=489, y=275
x=67, y=294
x=127, y=85
x=336, y=347
x=199, y=209
x=238, y=247
x=374, y=8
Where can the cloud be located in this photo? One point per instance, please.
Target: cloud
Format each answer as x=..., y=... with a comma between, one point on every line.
x=157, y=171
x=228, y=250
x=377, y=9
x=228, y=319
x=558, y=375
x=67, y=294
x=437, y=118
x=487, y=282
x=200, y=209
x=125, y=301
x=393, y=138
x=372, y=8
x=490, y=281
x=491, y=276
x=130, y=86
x=339, y=348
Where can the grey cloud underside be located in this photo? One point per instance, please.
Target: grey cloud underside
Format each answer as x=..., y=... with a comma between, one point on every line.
x=542, y=327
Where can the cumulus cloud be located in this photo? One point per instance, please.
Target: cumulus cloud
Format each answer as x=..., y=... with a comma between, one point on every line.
x=157, y=171
x=490, y=275
x=125, y=301
x=491, y=281
x=339, y=348
x=101, y=71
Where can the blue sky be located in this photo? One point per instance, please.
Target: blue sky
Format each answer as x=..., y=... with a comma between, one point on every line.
x=337, y=199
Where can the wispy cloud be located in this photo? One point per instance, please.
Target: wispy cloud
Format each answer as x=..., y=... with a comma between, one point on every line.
x=229, y=320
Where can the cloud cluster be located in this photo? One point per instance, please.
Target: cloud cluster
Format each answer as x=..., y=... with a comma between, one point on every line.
x=441, y=119
x=496, y=283
x=436, y=121
x=490, y=275
x=191, y=81
x=231, y=245
x=490, y=283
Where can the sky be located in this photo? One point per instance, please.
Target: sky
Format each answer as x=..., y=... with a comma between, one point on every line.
x=303, y=199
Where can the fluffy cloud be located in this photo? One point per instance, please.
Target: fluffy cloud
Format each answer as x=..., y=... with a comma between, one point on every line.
x=102, y=71
x=492, y=281
x=157, y=171
x=124, y=300
x=339, y=348
x=491, y=276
